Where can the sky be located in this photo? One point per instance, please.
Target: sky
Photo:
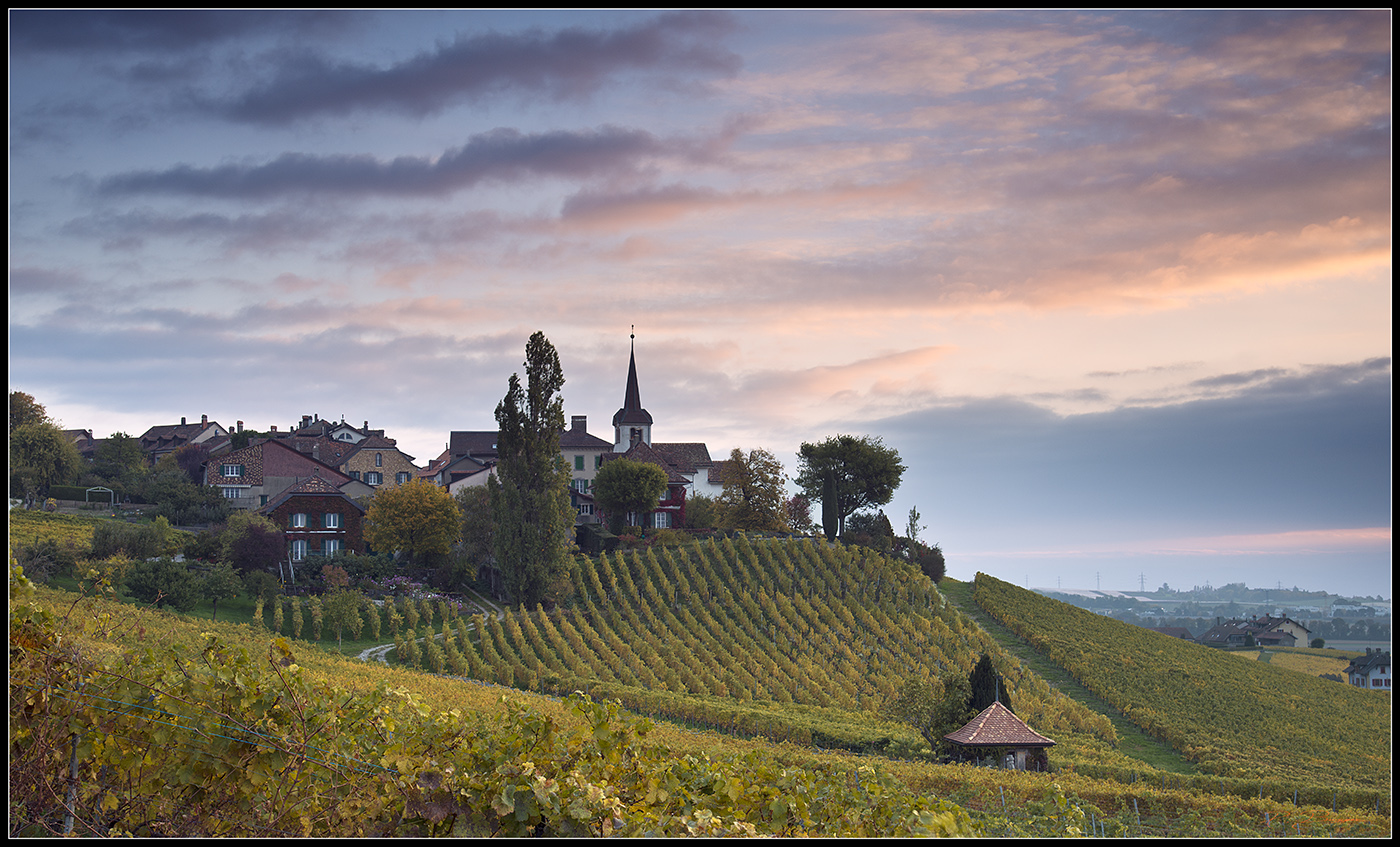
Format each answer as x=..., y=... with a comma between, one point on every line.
x=1115, y=285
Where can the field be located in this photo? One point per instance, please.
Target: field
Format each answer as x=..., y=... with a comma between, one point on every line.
x=762, y=723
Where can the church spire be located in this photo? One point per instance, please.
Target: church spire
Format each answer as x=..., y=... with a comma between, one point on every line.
x=632, y=423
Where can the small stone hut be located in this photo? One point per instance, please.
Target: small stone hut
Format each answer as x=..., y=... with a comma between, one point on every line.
x=997, y=730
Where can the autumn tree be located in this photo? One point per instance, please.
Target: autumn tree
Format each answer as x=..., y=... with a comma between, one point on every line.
x=418, y=519
x=625, y=485
x=753, y=496
x=530, y=490
x=25, y=410
x=860, y=472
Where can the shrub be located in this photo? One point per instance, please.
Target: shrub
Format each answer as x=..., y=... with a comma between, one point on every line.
x=139, y=542
x=164, y=582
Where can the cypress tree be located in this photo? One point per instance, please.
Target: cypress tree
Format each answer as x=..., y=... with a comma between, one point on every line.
x=530, y=492
x=987, y=686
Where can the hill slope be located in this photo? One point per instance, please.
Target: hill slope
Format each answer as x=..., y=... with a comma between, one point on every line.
x=1232, y=717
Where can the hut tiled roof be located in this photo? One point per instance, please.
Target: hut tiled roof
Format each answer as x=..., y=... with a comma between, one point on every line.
x=996, y=726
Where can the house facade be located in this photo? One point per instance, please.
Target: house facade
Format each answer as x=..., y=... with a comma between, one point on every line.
x=1371, y=671
x=160, y=441
x=376, y=462
x=319, y=520
x=251, y=476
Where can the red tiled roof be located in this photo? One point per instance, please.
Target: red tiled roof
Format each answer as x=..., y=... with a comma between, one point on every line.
x=995, y=726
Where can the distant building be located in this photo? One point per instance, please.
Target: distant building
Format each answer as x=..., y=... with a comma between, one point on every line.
x=1174, y=631
x=1265, y=630
x=1371, y=671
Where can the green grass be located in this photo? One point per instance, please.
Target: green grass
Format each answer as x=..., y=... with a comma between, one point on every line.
x=1132, y=741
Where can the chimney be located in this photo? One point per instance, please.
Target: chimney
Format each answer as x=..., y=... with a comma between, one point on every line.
x=272, y=428
x=240, y=426
x=204, y=419
x=366, y=426
x=579, y=423
x=182, y=420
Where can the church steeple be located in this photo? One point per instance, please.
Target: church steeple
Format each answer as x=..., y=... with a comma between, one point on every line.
x=632, y=423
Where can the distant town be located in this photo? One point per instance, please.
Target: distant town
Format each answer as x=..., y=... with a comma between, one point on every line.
x=1231, y=614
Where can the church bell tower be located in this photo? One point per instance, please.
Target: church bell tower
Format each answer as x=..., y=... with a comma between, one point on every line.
x=632, y=423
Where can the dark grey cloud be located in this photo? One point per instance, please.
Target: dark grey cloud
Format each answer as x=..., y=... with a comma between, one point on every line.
x=1309, y=449
x=560, y=65
x=499, y=155
x=140, y=30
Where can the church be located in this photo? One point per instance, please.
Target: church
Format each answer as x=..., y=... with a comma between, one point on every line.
x=688, y=466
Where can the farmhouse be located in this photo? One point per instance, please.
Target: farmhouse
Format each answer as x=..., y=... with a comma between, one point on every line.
x=1371, y=671
x=1262, y=630
x=319, y=520
x=996, y=729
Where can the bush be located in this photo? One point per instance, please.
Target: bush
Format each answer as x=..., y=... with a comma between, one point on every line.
x=164, y=582
x=138, y=542
x=262, y=584
x=44, y=560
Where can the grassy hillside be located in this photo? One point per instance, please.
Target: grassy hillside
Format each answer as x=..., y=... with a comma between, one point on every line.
x=795, y=641
x=1232, y=717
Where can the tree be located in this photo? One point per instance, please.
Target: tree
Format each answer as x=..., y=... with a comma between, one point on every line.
x=701, y=512
x=191, y=458
x=252, y=542
x=25, y=410
x=342, y=611
x=220, y=583
x=164, y=582
x=41, y=456
x=624, y=485
x=864, y=473
x=798, y=509
x=418, y=518
x=530, y=491
x=753, y=496
x=478, y=524
x=119, y=460
x=934, y=707
x=986, y=687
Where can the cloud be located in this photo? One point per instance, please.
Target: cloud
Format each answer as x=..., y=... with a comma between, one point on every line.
x=134, y=30
x=559, y=65
x=1308, y=449
x=501, y=155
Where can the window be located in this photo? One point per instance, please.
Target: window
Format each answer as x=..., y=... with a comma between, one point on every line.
x=331, y=520
x=231, y=470
x=374, y=477
x=233, y=493
x=401, y=477
x=299, y=520
x=578, y=463
x=355, y=475
x=298, y=550
x=330, y=546
x=379, y=460
x=598, y=461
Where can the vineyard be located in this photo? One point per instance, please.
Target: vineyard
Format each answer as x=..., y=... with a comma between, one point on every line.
x=762, y=664
x=797, y=641
x=1240, y=720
